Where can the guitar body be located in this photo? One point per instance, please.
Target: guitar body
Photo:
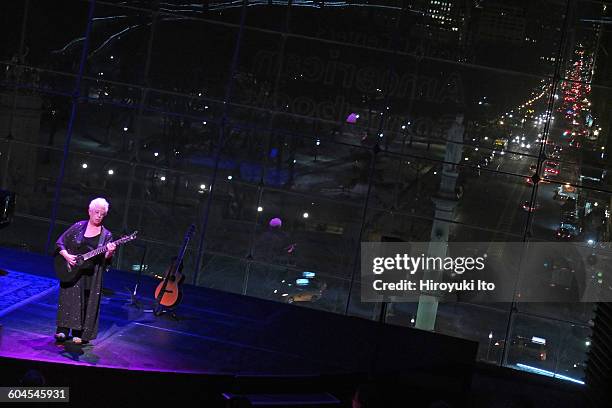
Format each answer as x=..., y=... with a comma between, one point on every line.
x=66, y=273
x=168, y=292
x=172, y=294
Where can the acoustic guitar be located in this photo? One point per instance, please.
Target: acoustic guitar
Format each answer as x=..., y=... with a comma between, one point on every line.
x=168, y=293
x=68, y=274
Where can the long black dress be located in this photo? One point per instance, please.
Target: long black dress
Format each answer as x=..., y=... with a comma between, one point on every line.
x=79, y=302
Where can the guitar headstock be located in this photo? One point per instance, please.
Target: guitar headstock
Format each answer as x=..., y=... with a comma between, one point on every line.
x=128, y=238
x=190, y=232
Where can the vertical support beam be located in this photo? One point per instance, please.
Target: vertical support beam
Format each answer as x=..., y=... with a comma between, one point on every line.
x=137, y=133
x=428, y=304
x=75, y=100
x=220, y=144
x=445, y=202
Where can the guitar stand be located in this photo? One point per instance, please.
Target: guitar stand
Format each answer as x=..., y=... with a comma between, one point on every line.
x=165, y=312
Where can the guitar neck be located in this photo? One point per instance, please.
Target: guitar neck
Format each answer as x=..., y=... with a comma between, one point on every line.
x=179, y=259
x=104, y=249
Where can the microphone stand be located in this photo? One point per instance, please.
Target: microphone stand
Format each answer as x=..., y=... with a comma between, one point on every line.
x=133, y=296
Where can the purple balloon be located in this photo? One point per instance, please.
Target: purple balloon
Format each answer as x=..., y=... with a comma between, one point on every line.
x=275, y=222
x=352, y=118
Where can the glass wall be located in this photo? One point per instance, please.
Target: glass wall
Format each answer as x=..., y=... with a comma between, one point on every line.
x=330, y=116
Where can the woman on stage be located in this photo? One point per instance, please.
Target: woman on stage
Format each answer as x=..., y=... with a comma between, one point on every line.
x=79, y=301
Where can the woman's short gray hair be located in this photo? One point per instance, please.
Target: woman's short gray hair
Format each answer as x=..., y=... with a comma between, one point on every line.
x=99, y=203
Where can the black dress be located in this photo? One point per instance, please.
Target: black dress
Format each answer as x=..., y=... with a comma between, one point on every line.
x=79, y=301
x=90, y=243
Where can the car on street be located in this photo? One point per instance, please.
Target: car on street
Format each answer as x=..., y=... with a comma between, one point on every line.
x=551, y=168
x=567, y=231
x=306, y=288
x=501, y=142
x=564, y=234
x=529, y=206
x=566, y=192
x=527, y=349
x=562, y=272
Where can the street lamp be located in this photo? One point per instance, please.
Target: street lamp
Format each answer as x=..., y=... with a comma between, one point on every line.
x=489, y=348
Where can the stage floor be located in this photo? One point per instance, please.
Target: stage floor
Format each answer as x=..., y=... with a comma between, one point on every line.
x=216, y=332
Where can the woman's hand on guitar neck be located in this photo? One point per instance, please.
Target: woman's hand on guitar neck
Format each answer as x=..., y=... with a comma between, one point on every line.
x=111, y=247
x=71, y=259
